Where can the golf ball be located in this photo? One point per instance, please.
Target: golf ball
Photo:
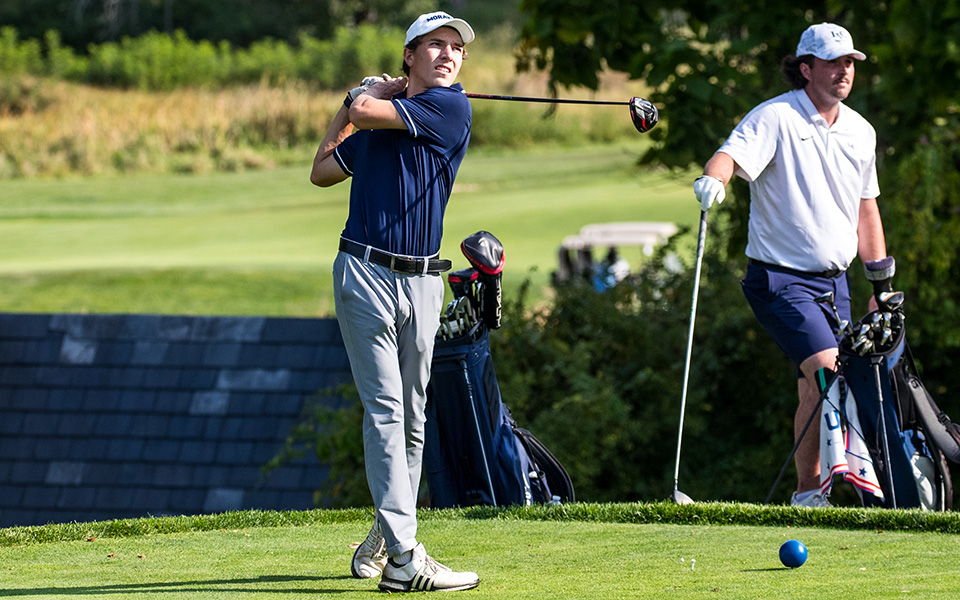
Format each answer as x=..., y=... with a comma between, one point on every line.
x=793, y=553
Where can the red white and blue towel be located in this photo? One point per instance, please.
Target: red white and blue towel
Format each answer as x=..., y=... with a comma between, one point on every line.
x=842, y=447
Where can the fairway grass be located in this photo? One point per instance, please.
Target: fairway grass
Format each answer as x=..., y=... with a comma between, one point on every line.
x=263, y=242
x=515, y=558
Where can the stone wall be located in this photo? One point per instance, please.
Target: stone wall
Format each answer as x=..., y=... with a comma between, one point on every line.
x=115, y=416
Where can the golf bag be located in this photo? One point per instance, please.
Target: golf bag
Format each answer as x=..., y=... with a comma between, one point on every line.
x=884, y=408
x=474, y=453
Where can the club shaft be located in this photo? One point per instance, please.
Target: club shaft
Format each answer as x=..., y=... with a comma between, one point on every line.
x=701, y=239
x=883, y=427
x=545, y=100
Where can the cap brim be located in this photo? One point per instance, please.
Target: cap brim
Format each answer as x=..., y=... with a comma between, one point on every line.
x=856, y=54
x=463, y=28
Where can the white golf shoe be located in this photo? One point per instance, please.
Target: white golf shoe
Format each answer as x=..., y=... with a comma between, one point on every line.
x=810, y=500
x=423, y=573
x=371, y=556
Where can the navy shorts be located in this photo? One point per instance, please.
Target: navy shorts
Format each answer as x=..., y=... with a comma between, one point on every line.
x=784, y=302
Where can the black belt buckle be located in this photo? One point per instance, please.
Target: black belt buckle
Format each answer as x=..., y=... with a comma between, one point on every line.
x=407, y=265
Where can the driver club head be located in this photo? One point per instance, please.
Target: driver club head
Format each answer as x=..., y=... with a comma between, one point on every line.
x=644, y=114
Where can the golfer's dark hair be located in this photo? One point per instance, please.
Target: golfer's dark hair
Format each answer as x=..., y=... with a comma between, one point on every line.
x=412, y=46
x=790, y=67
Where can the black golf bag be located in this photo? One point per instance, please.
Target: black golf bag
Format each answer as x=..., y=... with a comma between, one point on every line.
x=474, y=453
x=907, y=436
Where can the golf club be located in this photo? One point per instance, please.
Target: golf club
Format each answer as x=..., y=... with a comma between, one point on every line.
x=642, y=112
x=678, y=496
x=884, y=440
x=890, y=301
x=844, y=325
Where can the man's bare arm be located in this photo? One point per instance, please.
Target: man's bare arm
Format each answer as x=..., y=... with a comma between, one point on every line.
x=326, y=171
x=373, y=109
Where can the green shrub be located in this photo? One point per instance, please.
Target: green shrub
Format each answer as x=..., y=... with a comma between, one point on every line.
x=365, y=50
x=19, y=57
x=155, y=61
x=268, y=61
x=598, y=377
x=160, y=61
x=61, y=61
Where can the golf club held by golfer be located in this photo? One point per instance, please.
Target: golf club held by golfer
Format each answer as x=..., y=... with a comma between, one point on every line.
x=643, y=113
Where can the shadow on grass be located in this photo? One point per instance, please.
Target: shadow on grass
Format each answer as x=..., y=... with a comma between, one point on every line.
x=251, y=585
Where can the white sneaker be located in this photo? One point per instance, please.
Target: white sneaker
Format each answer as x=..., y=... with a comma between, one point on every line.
x=424, y=574
x=810, y=500
x=371, y=556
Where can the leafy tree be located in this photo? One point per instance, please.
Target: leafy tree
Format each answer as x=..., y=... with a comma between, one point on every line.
x=708, y=62
x=239, y=22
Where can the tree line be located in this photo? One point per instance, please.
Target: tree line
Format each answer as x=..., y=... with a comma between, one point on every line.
x=238, y=22
x=157, y=61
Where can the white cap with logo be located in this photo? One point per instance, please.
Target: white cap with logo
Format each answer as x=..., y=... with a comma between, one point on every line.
x=827, y=41
x=430, y=21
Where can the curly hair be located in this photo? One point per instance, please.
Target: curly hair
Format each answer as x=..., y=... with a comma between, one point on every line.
x=790, y=67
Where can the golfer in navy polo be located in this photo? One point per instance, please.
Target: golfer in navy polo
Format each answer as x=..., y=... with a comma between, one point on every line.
x=412, y=134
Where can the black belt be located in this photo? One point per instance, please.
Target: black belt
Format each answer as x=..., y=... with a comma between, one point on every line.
x=831, y=274
x=409, y=265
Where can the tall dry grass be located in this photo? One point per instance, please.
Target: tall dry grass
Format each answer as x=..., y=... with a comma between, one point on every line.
x=88, y=130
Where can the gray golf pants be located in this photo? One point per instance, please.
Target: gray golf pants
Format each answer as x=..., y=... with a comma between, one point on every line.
x=388, y=322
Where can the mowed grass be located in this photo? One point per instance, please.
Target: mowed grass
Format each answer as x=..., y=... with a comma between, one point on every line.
x=263, y=242
x=514, y=558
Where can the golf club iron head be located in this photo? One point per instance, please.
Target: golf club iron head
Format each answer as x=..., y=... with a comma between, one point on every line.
x=679, y=497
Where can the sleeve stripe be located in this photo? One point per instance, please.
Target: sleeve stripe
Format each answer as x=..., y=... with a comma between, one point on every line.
x=336, y=157
x=408, y=119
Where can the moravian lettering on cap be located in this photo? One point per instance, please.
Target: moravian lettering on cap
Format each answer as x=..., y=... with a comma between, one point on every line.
x=435, y=20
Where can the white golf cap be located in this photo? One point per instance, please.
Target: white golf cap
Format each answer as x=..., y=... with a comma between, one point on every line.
x=828, y=41
x=430, y=21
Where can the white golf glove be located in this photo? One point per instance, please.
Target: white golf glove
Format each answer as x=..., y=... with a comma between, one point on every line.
x=364, y=86
x=708, y=190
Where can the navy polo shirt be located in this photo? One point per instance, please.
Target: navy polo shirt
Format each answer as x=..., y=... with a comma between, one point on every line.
x=403, y=179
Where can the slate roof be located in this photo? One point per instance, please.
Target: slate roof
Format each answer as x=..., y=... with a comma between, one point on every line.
x=115, y=416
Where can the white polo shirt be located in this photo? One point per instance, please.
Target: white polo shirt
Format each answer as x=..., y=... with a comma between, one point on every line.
x=806, y=181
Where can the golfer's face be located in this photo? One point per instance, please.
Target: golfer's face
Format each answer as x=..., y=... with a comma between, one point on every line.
x=833, y=78
x=436, y=61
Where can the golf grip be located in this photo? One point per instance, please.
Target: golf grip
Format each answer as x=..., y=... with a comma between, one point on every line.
x=701, y=240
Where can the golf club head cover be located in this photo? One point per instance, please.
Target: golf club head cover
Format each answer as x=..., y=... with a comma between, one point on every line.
x=644, y=114
x=880, y=272
x=464, y=283
x=485, y=253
